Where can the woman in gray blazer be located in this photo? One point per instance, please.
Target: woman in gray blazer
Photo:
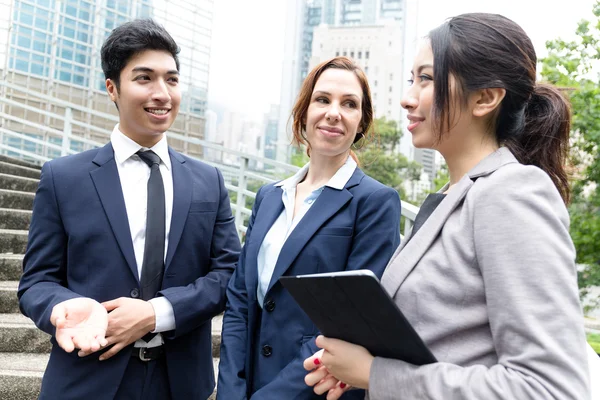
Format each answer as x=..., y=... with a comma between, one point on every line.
x=488, y=276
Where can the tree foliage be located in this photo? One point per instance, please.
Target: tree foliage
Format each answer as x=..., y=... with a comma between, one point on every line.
x=381, y=160
x=574, y=65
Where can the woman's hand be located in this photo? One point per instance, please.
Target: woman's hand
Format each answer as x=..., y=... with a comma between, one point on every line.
x=348, y=362
x=339, y=365
x=321, y=379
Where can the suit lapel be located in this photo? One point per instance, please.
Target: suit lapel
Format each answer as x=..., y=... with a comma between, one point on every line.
x=328, y=204
x=182, y=198
x=108, y=185
x=409, y=253
x=269, y=210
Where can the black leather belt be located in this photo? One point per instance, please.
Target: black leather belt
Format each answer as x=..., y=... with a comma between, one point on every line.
x=148, y=353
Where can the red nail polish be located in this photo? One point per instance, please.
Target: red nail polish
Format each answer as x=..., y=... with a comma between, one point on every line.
x=342, y=385
x=317, y=361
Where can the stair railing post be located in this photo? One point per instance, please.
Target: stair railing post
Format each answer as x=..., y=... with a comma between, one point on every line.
x=67, y=129
x=241, y=198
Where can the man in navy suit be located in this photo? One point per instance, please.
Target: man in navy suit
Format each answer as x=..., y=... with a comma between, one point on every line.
x=132, y=245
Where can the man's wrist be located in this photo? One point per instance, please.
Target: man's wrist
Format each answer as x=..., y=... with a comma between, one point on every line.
x=150, y=320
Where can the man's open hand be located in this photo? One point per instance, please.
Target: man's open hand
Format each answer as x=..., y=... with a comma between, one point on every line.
x=80, y=323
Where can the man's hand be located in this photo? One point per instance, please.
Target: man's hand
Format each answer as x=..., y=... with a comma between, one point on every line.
x=80, y=323
x=128, y=321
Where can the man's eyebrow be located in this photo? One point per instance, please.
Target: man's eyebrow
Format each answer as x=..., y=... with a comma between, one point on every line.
x=150, y=70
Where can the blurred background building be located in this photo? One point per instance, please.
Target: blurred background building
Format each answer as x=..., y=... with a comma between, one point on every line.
x=52, y=48
x=378, y=35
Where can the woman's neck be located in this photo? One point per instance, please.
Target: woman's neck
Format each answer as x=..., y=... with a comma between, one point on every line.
x=461, y=161
x=323, y=168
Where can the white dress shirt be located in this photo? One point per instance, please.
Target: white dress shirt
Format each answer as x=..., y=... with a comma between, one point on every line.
x=285, y=223
x=134, y=175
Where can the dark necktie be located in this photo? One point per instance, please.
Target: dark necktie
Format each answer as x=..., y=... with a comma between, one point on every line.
x=153, y=266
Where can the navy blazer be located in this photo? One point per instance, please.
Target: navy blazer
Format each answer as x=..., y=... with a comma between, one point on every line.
x=80, y=245
x=262, y=352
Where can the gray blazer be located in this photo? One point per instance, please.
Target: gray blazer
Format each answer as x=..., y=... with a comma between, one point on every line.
x=489, y=282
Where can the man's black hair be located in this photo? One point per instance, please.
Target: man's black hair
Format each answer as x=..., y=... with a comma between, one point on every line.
x=131, y=38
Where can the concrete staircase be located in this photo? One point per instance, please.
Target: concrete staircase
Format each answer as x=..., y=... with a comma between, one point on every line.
x=24, y=349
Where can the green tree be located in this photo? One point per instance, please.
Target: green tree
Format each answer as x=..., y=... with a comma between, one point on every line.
x=381, y=160
x=570, y=64
x=299, y=157
x=442, y=177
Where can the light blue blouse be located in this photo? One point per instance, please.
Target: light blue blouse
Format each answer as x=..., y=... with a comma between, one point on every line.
x=285, y=223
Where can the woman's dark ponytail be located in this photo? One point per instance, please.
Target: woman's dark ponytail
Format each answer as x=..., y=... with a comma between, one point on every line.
x=544, y=141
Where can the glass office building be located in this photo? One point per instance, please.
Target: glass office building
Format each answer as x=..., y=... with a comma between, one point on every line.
x=53, y=47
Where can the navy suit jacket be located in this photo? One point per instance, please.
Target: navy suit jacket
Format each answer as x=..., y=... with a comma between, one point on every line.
x=353, y=228
x=80, y=245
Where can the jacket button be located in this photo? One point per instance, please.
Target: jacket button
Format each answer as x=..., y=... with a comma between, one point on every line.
x=270, y=305
x=267, y=350
x=135, y=293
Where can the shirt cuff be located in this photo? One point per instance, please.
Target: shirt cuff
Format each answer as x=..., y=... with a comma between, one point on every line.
x=165, y=317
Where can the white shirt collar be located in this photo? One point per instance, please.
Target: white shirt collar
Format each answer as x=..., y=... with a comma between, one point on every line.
x=337, y=181
x=124, y=147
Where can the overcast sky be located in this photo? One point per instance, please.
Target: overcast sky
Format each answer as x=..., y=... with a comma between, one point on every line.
x=248, y=40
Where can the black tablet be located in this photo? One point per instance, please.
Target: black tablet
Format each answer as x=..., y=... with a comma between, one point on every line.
x=353, y=306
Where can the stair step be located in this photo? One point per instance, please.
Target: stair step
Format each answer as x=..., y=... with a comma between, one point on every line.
x=18, y=170
x=16, y=200
x=18, y=334
x=21, y=375
x=9, y=303
x=14, y=219
x=12, y=182
x=11, y=267
x=18, y=161
x=13, y=241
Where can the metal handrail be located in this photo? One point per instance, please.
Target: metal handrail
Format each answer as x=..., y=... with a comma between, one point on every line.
x=236, y=175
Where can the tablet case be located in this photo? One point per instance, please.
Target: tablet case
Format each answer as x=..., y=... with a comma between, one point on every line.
x=354, y=307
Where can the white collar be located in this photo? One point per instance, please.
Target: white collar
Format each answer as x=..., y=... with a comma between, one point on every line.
x=337, y=181
x=124, y=147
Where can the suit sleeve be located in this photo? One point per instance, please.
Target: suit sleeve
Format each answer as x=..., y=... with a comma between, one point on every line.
x=44, y=280
x=234, y=336
x=376, y=236
x=204, y=298
x=526, y=258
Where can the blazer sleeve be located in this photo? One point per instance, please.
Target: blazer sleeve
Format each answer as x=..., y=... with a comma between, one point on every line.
x=526, y=258
x=234, y=336
x=44, y=279
x=204, y=298
x=376, y=236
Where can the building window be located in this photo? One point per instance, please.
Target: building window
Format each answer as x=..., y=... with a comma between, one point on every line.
x=389, y=102
x=351, y=54
x=390, y=89
x=360, y=55
x=375, y=83
x=367, y=55
x=391, y=77
x=366, y=70
x=345, y=54
x=337, y=53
